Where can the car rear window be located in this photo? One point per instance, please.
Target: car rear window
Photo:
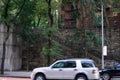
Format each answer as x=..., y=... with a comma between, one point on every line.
x=87, y=64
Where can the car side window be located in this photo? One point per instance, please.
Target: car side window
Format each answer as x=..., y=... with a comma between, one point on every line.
x=87, y=64
x=118, y=67
x=58, y=65
x=70, y=64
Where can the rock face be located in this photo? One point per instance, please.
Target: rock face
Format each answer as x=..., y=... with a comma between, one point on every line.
x=12, y=57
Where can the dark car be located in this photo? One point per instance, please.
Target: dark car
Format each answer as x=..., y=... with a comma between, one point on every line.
x=107, y=74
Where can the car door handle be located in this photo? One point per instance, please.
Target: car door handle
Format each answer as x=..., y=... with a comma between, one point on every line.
x=60, y=69
x=75, y=69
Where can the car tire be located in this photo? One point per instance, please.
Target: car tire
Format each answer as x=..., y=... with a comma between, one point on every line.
x=81, y=77
x=106, y=76
x=39, y=77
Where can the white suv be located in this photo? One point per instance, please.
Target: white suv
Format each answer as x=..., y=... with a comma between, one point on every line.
x=70, y=69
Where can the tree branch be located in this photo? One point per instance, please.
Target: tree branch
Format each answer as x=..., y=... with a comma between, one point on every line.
x=38, y=20
x=47, y=1
x=16, y=2
x=5, y=15
x=17, y=14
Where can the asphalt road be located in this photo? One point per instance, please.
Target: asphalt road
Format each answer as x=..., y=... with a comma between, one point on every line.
x=8, y=78
x=115, y=79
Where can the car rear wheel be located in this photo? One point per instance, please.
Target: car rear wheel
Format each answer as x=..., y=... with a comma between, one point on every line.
x=106, y=76
x=81, y=77
x=40, y=77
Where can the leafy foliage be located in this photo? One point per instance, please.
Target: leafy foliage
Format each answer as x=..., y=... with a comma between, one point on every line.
x=88, y=40
x=25, y=22
x=54, y=51
x=51, y=47
x=116, y=5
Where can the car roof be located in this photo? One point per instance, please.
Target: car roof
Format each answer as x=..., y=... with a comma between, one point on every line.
x=81, y=59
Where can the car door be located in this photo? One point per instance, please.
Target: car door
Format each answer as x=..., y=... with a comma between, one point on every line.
x=117, y=70
x=69, y=70
x=55, y=71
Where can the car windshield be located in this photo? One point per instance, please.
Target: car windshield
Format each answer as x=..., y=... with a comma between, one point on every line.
x=87, y=64
x=117, y=66
x=58, y=65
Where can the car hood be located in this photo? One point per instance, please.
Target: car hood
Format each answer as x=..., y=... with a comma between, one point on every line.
x=107, y=69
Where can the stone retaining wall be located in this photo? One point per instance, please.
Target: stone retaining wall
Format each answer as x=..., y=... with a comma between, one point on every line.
x=12, y=57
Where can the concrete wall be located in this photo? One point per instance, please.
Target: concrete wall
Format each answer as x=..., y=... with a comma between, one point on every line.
x=12, y=58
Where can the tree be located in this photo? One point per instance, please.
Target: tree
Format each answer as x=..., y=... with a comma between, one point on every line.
x=13, y=13
x=52, y=47
x=28, y=28
x=7, y=19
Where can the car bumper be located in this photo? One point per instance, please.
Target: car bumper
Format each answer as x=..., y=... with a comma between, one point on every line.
x=94, y=76
x=32, y=76
x=95, y=79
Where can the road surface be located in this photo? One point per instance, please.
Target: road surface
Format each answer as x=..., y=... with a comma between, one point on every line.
x=8, y=78
x=115, y=79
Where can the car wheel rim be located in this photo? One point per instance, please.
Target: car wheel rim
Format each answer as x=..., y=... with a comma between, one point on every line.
x=106, y=76
x=39, y=78
x=81, y=78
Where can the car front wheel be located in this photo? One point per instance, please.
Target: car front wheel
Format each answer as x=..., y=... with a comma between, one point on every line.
x=40, y=77
x=81, y=77
x=106, y=76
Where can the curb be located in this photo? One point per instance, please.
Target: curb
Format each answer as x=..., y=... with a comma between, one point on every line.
x=16, y=74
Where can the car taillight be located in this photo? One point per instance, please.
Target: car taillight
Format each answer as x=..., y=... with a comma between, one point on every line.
x=94, y=71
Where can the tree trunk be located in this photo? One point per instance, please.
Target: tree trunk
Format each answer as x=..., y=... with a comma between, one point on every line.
x=3, y=58
x=50, y=18
x=4, y=50
x=6, y=37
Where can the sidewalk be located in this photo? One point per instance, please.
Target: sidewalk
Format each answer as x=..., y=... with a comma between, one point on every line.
x=19, y=74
